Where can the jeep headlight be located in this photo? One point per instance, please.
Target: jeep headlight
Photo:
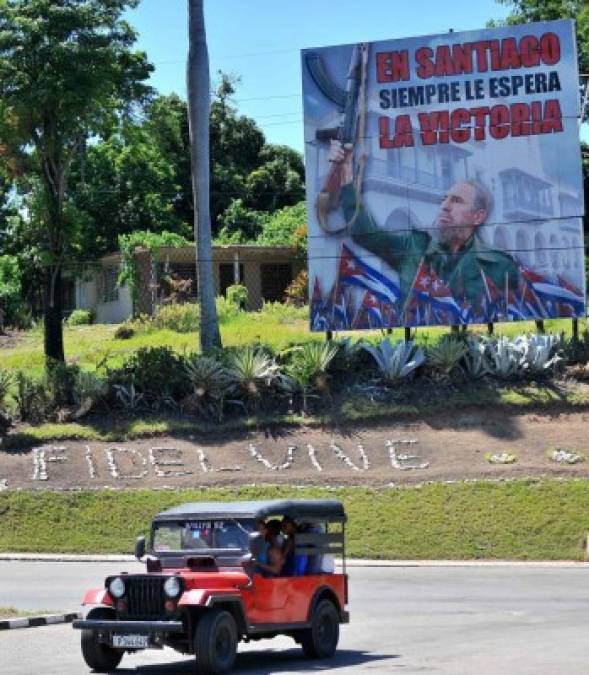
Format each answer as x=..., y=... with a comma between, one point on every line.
x=116, y=587
x=172, y=587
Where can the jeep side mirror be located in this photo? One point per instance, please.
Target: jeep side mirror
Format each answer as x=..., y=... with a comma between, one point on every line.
x=140, y=547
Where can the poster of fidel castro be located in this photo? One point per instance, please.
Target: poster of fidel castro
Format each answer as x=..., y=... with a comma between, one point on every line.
x=444, y=181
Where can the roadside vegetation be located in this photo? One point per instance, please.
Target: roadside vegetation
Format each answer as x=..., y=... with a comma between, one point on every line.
x=146, y=377
x=542, y=519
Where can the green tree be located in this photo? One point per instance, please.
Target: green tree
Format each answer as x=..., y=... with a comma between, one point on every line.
x=66, y=70
x=524, y=11
x=240, y=225
x=123, y=184
x=286, y=227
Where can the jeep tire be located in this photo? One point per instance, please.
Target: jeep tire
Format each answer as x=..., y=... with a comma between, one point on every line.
x=215, y=642
x=100, y=657
x=320, y=640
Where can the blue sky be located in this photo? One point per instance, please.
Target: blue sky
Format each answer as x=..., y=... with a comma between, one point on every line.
x=260, y=41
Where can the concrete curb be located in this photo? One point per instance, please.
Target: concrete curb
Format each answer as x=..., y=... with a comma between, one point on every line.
x=350, y=562
x=35, y=621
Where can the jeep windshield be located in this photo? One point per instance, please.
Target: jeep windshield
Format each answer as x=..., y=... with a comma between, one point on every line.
x=202, y=534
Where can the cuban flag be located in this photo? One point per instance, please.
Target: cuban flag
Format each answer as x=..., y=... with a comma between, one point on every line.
x=492, y=298
x=355, y=272
x=553, y=294
x=341, y=317
x=428, y=287
x=371, y=306
x=318, y=312
x=514, y=309
x=569, y=308
x=441, y=297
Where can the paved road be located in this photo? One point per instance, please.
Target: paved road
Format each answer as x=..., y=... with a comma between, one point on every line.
x=452, y=620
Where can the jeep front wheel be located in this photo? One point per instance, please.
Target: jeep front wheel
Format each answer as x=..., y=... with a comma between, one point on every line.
x=98, y=656
x=320, y=640
x=215, y=642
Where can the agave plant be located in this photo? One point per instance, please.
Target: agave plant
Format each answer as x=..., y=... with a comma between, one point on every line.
x=88, y=389
x=309, y=366
x=5, y=384
x=446, y=355
x=252, y=370
x=475, y=360
x=129, y=397
x=538, y=352
x=396, y=361
x=505, y=358
x=210, y=383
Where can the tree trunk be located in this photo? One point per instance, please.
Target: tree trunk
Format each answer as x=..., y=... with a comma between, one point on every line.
x=198, y=86
x=53, y=333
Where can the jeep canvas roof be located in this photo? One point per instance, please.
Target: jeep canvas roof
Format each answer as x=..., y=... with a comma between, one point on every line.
x=301, y=509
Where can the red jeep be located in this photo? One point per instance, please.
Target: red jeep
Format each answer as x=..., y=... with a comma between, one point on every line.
x=202, y=591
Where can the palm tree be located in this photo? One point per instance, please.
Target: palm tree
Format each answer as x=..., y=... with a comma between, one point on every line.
x=198, y=86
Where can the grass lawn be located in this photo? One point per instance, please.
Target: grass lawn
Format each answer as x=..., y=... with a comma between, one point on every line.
x=13, y=612
x=543, y=519
x=89, y=346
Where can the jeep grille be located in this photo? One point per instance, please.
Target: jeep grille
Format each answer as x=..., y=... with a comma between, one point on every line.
x=145, y=597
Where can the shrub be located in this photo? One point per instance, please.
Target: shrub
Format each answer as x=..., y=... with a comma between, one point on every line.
x=31, y=398
x=59, y=381
x=297, y=292
x=285, y=313
x=80, y=317
x=156, y=372
x=226, y=310
x=180, y=318
x=124, y=332
x=238, y=295
x=6, y=380
x=396, y=361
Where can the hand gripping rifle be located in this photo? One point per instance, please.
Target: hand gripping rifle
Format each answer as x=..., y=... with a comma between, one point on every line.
x=347, y=102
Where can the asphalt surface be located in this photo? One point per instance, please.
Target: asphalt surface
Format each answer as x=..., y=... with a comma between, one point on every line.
x=492, y=619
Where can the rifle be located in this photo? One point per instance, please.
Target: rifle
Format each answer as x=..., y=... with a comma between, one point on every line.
x=347, y=102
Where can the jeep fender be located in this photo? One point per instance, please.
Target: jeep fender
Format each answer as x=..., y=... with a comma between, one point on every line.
x=324, y=593
x=98, y=596
x=223, y=599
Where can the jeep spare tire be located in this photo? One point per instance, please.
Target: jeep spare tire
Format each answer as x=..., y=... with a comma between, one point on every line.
x=215, y=642
x=320, y=641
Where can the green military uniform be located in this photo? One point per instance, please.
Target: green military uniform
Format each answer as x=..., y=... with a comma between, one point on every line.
x=403, y=252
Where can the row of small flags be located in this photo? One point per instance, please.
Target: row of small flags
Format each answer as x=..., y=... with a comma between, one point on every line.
x=430, y=300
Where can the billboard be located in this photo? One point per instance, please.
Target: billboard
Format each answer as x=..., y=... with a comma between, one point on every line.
x=444, y=180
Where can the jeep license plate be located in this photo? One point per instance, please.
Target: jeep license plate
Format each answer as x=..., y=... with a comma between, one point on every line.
x=131, y=641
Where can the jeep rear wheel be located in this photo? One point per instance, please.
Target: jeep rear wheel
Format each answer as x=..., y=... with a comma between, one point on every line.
x=98, y=656
x=320, y=641
x=215, y=642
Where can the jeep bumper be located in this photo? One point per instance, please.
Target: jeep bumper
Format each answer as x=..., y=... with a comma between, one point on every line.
x=146, y=627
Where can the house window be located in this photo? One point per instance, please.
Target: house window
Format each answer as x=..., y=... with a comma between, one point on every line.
x=110, y=288
x=275, y=280
x=226, y=276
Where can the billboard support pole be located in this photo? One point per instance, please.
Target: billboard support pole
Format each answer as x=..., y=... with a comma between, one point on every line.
x=540, y=326
x=490, y=328
x=575, y=330
x=407, y=333
x=328, y=335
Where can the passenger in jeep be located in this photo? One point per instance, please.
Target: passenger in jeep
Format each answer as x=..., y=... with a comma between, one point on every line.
x=295, y=565
x=275, y=564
